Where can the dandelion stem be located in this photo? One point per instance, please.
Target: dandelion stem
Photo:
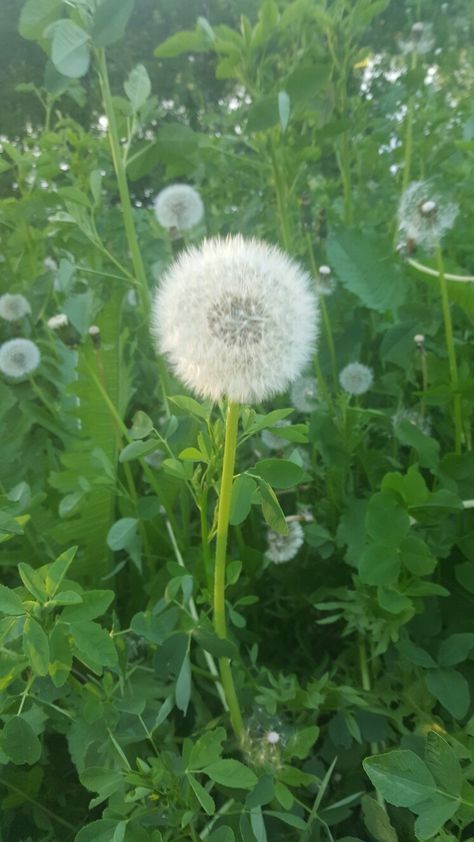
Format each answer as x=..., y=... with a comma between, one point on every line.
x=282, y=200
x=324, y=313
x=232, y=421
x=453, y=369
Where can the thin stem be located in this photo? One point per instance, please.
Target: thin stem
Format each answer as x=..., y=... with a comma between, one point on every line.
x=324, y=313
x=220, y=626
x=427, y=270
x=206, y=556
x=409, y=132
x=280, y=189
x=38, y=804
x=453, y=368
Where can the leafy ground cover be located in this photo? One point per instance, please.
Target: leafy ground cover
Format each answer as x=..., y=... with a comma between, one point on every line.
x=309, y=679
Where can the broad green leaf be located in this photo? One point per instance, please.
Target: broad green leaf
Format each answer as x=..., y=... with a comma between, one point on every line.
x=207, y=749
x=243, y=490
x=377, y=821
x=32, y=582
x=217, y=646
x=365, y=266
x=155, y=627
x=288, y=818
x=186, y=41
x=455, y=649
x=262, y=793
x=271, y=508
x=94, y=603
x=451, y=689
x=192, y=406
x=36, y=15
x=122, y=533
x=435, y=813
x=222, y=834
x=231, y=773
x=386, y=520
x=427, y=448
x=138, y=86
x=99, y=831
x=56, y=571
x=142, y=425
x=379, y=564
x=70, y=52
x=110, y=21
x=138, y=449
x=416, y=556
x=178, y=469
x=202, y=795
x=257, y=824
x=101, y=780
x=10, y=602
x=443, y=764
x=183, y=686
x=391, y=600
x=401, y=777
x=19, y=742
x=300, y=743
x=279, y=473
x=36, y=646
x=94, y=643
x=60, y=657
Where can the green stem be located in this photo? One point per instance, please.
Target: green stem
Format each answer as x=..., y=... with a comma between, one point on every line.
x=38, y=805
x=220, y=626
x=281, y=197
x=206, y=556
x=453, y=369
x=409, y=132
x=324, y=313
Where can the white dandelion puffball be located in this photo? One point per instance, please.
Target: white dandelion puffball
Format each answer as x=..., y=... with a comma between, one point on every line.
x=236, y=318
x=282, y=548
x=305, y=394
x=356, y=379
x=412, y=416
x=179, y=206
x=420, y=41
x=423, y=216
x=272, y=440
x=19, y=357
x=13, y=307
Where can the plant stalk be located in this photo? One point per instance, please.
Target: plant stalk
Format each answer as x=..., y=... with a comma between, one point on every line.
x=453, y=368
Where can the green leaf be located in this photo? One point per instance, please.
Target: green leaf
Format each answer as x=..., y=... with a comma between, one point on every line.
x=271, y=508
x=60, y=657
x=110, y=21
x=243, y=490
x=202, y=795
x=416, y=556
x=35, y=17
x=455, y=649
x=186, y=41
x=401, y=777
x=222, y=834
x=262, y=793
x=70, y=52
x=142, y=425
x=379, y=564
x=155, y=627
x=10, y=602
x=32, y=582
x=231, y=773
x=101, y=780
x=207, y=749
x=451, y=689
x=217, y=646
x=122, y=533
x=386, y=519
x=94, y=603
x=94, y=643
x=56, y=571
x=279, y=473
x=19, y=742
x=364, y=263
x=426, y=447
x=434, y=815
x=300, y=743
x=258, y=824
x=377, y=821
x=288, y=818
x=191, y=406
x=183, y=686
x=138, y=449
x=99, y=831
x=138, y=87
x=443, y=764
x=36, y=646
x=180, y=470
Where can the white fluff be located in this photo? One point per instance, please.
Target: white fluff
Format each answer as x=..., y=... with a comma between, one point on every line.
x=282, y=548
x=356, y=378
x=423, y=216
x=236, y=318
x=305, y=394
x=13, y=307
x=19, y=357
x=179, y=206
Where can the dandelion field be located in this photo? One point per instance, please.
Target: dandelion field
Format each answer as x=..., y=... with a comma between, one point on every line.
x=236, y=468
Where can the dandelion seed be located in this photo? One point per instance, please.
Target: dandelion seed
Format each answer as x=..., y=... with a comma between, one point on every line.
x=13, y=307
x=58, y=321
x=356, y=379
x=236, y=318
x=419, y=339
x=325, y=281
x=414, y=417
x=305, y=394
x=423, y=217
x=272, y=737
x=282, y=548
x=19, y=357
x=179, y=206
x=273, y=441
x=421, y=39
x=263, y=741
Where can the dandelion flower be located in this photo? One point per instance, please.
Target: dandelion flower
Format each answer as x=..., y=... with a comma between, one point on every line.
x=236, y=318
x=13, y=307
x=282, y=548
x=423, y=216
x=304, y=394
x=356, y=379
x=58, y=321
x=19, y=357
x=421, y=39
x=325, y=281
x=272, y=440
x=179, y=206
x=412, y=416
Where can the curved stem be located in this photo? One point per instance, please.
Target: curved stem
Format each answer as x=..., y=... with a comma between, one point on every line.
x=453, y=368
x=220, y=626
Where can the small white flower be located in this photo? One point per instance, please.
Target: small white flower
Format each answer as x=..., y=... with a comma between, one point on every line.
x=58, y=321
x=13, y=307
x=421, y=39
x=325, y=281
x=272, y=440
x=412, y=416
x=19, y=357
x=236, y=318
x=179, y=206
x=356, y=379
x=305, y=394
x=423, y=216
x=282, y=548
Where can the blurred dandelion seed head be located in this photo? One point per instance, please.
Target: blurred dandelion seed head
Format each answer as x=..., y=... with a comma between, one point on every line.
x=424, y=217
x=326, y=283
x=271, y=440
x=179, y=206
x=236, y=318
x=356, y=378
x=13, y=307
x=282, y=548
x=263, y=741
x=414, y=417
x=420, y=41
x=19, y=357
x=305, y=394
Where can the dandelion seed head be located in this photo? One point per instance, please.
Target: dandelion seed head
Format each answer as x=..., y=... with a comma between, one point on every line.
x=420, y=41
x=179, y=206
x=271, y=440
x=325, y=281
x=424, y=217
x=419, y=339
x=414, y=417
x=356, y=379
x=272, y=737
x=58, y=321
x=263, y=741
x=305, y=394
x=236, y=318
x=19, y=357
x=13, y=307
x=282, y=548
